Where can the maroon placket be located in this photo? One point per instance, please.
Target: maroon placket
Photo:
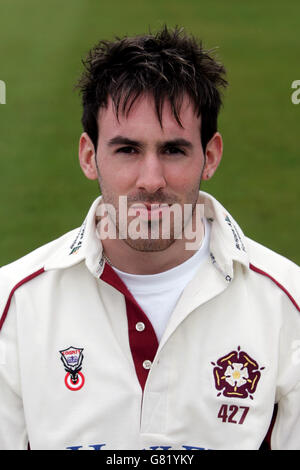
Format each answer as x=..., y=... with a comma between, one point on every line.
x=142, y=337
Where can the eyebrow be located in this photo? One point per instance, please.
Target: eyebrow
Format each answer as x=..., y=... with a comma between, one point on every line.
x=122, y=140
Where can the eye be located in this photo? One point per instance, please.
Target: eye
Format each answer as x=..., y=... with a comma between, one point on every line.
x=173, y=151
x=127, y=149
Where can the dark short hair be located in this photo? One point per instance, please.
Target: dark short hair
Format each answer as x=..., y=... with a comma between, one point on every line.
x=168, y=64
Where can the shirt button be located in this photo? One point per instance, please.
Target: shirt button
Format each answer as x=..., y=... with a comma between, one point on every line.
x=140, y=326
x=147, y=364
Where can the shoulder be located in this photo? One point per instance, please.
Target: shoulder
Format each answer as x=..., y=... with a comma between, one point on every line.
x=23, y=270
x=39, y=257
x=275, y=269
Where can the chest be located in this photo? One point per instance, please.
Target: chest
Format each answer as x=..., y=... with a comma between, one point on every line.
x=208, y=384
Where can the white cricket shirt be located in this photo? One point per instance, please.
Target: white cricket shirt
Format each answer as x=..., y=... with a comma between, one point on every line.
x=77, y=371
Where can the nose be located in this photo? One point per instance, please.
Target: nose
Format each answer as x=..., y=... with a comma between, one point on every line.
x=151, y=176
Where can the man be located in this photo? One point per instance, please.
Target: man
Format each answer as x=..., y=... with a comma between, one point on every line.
x=157, y=324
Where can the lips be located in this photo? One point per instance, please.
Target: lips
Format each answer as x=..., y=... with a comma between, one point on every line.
x=150, y=211
x=150, y=206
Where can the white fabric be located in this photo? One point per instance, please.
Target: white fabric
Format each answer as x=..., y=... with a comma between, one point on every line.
x=227, y=316
x=158, y=294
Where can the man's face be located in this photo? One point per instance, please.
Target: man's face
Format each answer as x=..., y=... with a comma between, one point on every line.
x=149, y=164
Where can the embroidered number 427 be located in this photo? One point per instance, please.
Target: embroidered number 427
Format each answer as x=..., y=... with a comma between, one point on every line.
x=233, y=414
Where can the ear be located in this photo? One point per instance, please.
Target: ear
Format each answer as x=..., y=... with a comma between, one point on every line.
x=87, y=157
x=213, y=155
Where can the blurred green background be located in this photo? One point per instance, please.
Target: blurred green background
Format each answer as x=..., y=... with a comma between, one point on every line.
x=43, y=191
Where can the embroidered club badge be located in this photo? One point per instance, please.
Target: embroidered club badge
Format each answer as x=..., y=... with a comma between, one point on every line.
x=72, y=361
x=236, y=374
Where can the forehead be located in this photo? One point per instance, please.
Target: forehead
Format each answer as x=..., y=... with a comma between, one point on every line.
x=142, y=120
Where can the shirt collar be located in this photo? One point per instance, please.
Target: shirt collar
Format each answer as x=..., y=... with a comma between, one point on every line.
x=79, y=245
x=227, y=241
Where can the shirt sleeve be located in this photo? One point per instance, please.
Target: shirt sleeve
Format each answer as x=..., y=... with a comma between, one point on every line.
x=286, y=430
x=13, y=435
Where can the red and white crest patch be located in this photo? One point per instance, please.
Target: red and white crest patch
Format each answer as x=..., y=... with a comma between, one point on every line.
x=72, y=360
